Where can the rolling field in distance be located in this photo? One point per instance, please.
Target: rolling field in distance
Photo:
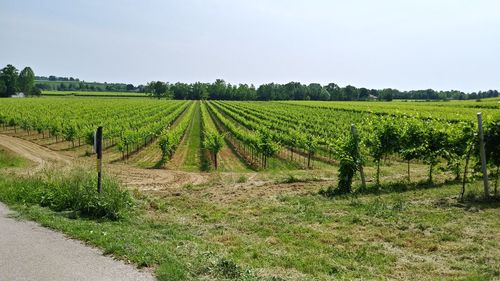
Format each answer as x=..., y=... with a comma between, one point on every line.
x=92, y=94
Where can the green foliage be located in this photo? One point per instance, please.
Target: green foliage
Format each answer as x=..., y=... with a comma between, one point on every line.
x=158, y=89
x=492, y=148
x=350, y=161
x=266, y=145
x=26, y=81
x=492, y=142
x=8, y=76
x=383, y=140
x=74, y=191
x=412, y=142
x=170, y=137
x=436, y=142
x=213, y=142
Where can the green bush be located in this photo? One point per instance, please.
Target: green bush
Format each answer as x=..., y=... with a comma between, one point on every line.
x=75, y=191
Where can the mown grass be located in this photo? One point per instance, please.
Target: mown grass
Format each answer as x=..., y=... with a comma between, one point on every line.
x=10, y=160
x=193, y=143
x=412, y=234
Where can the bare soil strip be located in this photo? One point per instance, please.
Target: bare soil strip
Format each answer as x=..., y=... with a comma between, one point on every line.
x=144, y=179
x=37, y=154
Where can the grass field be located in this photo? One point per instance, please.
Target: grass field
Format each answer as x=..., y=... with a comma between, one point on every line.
x=92, y=94
x=9, y=159
x=289, y=232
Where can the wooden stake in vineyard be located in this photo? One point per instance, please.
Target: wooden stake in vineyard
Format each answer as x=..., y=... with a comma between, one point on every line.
x=98, y=151
x=482, y=152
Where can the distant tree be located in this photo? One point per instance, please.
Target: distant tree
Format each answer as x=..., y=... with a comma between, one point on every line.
x=36, y=92
x=244, y=92
x=350, y=93
x=199, y=91
x=9, y=76
x=324, y=94
x=314, y=91
x=334, y=91
x=293, y=90
x=26, y=81
x=3, y=88
x=217, y=90
x=62, y=87
x=180, y=90
x=267, y=91
x=386, y=94
x=157, y=89
x=52, y=78
x=363, y=94
x=130, y=87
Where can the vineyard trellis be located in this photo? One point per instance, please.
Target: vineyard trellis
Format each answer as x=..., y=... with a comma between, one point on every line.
x=298, y=132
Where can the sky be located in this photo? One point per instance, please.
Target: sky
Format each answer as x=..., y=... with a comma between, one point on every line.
x=403, y=44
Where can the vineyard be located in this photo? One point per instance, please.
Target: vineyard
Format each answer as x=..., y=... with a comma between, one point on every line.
x=239, y=190
x=260, y=136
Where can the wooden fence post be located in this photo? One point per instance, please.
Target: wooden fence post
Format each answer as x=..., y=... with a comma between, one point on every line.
x=98, y=150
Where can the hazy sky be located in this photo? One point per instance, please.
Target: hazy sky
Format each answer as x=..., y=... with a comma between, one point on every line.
x=405, y=44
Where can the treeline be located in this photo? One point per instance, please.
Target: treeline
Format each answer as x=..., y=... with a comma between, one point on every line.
x=12, y=81
x=30, y=84
x=66, y=84
x=55, y=78
x=220, y=90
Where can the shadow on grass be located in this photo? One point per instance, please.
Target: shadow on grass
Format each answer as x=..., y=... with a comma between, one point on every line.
x=385, y=188
x=472, y=201
x=398, y=187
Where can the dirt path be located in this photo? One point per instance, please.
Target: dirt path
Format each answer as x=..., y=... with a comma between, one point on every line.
x=155, y=179
x=41, y=156
x=144, y=179
x=148, y=157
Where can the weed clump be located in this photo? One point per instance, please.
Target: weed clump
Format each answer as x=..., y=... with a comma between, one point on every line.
x=75, y=191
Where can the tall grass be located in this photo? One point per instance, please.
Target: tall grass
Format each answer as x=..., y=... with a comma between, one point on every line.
x=74, y=191
x=10, y=160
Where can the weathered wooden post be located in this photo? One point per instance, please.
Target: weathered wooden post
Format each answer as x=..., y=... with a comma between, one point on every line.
x=483, y=155
x=98, y=151
x=354, y=133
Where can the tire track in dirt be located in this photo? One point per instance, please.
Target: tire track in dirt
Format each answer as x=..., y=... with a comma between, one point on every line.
x=143, y=179
x=155, y=179
x=41, y=156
